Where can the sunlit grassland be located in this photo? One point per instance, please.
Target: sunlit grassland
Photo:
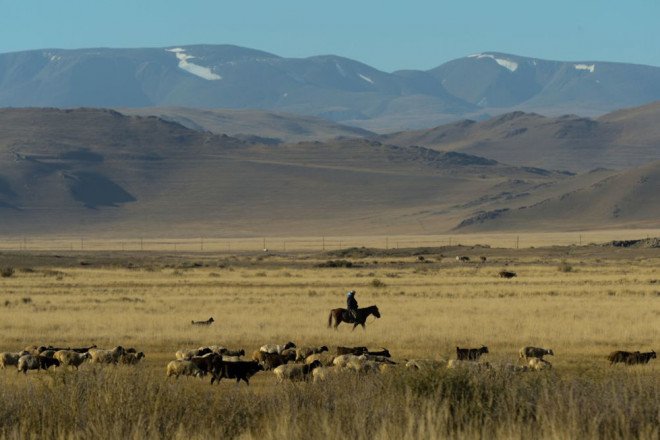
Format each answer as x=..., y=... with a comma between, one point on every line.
x=581, y=303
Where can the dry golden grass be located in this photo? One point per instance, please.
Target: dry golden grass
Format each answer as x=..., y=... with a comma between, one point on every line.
x=581, y=302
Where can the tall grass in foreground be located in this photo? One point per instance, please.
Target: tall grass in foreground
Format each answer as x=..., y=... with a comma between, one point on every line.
x=120, y=403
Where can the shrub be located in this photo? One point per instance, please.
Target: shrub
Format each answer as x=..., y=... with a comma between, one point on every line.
x=565, y=267
x=377, y=283
x=6, y=272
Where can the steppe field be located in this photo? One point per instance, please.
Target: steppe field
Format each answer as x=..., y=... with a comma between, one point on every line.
x=581, y=301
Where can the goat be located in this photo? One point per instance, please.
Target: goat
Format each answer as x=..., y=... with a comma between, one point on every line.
x=507, y=274
x=207, y=322
x=470, y=354
x=534, y=352
x=640, y=358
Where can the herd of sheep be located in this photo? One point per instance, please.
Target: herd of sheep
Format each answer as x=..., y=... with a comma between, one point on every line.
x=286, y=361
x=41, y=357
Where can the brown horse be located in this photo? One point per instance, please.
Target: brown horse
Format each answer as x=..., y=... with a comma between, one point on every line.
x=342, y=315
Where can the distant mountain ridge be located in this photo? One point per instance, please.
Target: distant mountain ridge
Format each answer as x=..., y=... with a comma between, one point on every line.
x=330, y=87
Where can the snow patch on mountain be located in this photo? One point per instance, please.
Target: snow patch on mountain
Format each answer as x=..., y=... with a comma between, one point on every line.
x=508, y=64
x=195, y=69
x=590, y=67
x=366, y=78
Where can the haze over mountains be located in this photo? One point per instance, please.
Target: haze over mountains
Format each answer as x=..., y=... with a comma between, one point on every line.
x=331, y=87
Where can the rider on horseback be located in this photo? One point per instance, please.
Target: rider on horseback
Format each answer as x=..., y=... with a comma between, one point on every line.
x=352, y=305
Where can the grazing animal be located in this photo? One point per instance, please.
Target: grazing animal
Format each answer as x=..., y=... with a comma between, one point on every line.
x=71, y=358
x=424, y=364
x=183, y=368
x=351, y=350
x=107, y=356
x=507, y=274
x=539, y=364
x=383, y=353
x=236, y=353
x=276, y=348
x=32, y=362
x=7, y=359
x=187, y=354
x=241, y=370
x=470, y=354
x=322, y=373
x=131, y=358
x=342, y=315
x=463, y=259
x=619, y=356
x=470, y=365
x=640, y=358
x=534, y=352
x=207, y=322
x=295, y=371
x=303, y=353
x=325, y=358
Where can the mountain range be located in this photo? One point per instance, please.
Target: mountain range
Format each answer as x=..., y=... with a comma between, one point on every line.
x=475, y=87
x=99, y=171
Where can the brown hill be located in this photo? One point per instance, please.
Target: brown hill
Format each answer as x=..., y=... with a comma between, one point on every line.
x=98, y=171
x=627, y=200
x=623, y=139
x=253, y=125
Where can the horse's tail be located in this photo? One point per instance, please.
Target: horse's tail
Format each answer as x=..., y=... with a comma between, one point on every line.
x=330, y=319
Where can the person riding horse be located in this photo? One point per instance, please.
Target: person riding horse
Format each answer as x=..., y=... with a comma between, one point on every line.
x=352, y=305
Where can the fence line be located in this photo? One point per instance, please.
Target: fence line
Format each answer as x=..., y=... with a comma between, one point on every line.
x=311, y=244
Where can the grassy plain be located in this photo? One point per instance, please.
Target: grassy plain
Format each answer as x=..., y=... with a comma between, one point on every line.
x=582, y=302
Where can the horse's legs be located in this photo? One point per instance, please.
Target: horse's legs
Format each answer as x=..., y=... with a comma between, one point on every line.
x=355, y=325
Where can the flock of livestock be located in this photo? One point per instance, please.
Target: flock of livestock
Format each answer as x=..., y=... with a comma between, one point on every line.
x=286, y=361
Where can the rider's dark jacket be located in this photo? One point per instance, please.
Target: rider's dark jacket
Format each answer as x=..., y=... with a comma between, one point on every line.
x=351, y=303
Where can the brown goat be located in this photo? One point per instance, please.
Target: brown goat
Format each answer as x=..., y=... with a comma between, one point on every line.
x=470, y=354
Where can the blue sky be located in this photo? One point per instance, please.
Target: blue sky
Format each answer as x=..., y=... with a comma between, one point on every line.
x=388, y=35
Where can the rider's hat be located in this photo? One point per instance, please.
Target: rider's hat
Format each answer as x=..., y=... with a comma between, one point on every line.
x=351, y=293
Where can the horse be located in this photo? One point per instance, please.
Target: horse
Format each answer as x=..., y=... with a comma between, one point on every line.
x=342, y=315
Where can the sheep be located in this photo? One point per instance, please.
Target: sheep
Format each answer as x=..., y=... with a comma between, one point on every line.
x=351, y=350
x=295, y=371
x=275, y=348
x=640, y=358
x=217, y=349
x=205, y=362
x=107, y=356
x=132, y=358
x=71, y=358
x=183, y=368
x=184, y=355
x=470, y=354
x=534, y=352
x=383, y=353
x=7, y=359
x=325, y=358
x=236, y=353
x=343, y=360
x=539, y=364
x=425, y=364
x=228, y=358
x=507, y=274
x=207, y=322
x=619, y=356
x=32, y=362
x=322, y=373
x=463, y=259
x=303, y=353
x=241, y=370
x=269, y=360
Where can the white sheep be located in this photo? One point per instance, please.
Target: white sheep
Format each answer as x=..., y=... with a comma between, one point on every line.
x=226, y=358
x=323, y=373
x=343, y=360
x=7, y=359
x=425, y=364
x=304, y=352
x=185, y=354
x=183, y=368
x=538, y=364
x=534, y=352
x=99, y=356
x=325, y=358
x=295, y=371
x=276, y=348
x=468, y=365
x=71, y=358
x=512, y=368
